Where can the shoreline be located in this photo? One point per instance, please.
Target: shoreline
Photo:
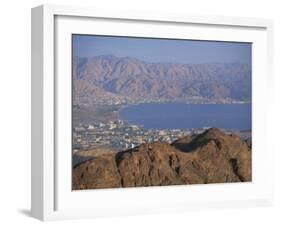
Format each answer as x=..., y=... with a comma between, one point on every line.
x=124, y=106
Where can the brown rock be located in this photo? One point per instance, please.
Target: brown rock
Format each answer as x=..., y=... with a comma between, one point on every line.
x=97, y=173
x=211, y=157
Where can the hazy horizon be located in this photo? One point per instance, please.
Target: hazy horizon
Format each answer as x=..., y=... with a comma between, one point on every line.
x=163, y=50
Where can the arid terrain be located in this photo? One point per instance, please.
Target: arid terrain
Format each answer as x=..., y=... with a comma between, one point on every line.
x=113, y=80
x=210, y=157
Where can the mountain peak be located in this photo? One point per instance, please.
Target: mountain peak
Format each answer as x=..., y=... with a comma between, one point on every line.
x=213, y=133
x=128, y=76
x=159, y=164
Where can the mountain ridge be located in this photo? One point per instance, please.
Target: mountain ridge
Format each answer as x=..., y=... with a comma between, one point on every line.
x=130, y=79
x=210, y=157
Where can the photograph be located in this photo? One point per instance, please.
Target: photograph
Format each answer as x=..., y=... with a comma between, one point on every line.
x=159, y=112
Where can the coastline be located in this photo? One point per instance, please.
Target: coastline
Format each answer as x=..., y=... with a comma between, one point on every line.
x=136, y=114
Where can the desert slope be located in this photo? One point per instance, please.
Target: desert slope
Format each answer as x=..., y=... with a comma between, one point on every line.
x=211, y=157
x=120, y=77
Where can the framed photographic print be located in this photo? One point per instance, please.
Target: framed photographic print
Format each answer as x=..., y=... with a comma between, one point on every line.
x=137, y=112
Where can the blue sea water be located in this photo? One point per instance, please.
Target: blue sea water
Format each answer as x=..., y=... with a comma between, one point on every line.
x=187, y=116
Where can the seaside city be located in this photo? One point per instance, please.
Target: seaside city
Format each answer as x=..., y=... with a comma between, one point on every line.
x=120, y=135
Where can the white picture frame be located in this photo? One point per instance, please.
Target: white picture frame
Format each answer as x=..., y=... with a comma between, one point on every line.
x=52, y=197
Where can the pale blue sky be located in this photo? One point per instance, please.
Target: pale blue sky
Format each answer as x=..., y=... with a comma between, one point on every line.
x=162, y=50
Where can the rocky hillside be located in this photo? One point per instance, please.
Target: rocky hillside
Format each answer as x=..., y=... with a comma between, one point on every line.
x=211, y=157
x=115, y=78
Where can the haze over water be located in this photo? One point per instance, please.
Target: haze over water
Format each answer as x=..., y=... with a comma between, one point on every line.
x=187, y=116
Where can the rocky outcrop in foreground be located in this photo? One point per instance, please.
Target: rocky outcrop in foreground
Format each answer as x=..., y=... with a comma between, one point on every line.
x=210, y=157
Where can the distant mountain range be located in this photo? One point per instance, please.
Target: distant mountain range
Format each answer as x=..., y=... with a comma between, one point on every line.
x=210, y=157
x=110, y=79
